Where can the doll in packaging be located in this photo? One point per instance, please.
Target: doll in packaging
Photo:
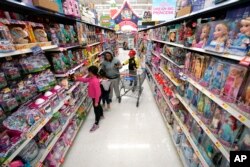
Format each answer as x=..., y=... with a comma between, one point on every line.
x=194, y=100
x=58, y=63
x=189, y=33
x=197, y=133
x=6, y=41
x=59, y=29
x=11, y=70
x=219, y=77
x=3, y=81
x=218, y=36
x=216, y=121
x=198, y=67
x=239, y=41
x=180, y=33
x=187, y=151
x=244, y=141
x=39, y=32
x=208, y=110
x=229, y=130
x=201, y=103
x=233, y=82
x=189, y=92
x=205, y=81
x=244, y=98
x=172, y=35
x=187, y=63
x=201, y=36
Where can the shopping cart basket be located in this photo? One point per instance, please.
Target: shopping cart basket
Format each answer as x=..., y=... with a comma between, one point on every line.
x=131, y=83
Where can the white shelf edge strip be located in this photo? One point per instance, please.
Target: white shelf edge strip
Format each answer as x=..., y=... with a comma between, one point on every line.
x=169, y=77
x=171, y=61
x=204, y=127
x=60, y=49
x=93, y=44
x=197, y=152
x=55, y=139
x=221, y=103
x=24, y=51
x=71, y=71
x=33, y=134
x=157, y=55
x=228, y=56
x=73, y=87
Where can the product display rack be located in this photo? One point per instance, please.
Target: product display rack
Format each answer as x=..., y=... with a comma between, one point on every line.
x=200, y=50
x=94, y=43
x=183, y=127
x=168, y=67
x=32, y=134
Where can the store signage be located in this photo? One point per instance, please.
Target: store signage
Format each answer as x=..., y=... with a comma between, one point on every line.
x=127, y=23
x=147, y=16
x=105, y=20
x=163, y=10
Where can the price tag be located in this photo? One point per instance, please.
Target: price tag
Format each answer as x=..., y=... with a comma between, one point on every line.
x=225, y=106
x=211, y=96
x=208, y=131
x=242, y=118
x=30, y=136
x=218, y=144
x=200, y=122
x=36, y=50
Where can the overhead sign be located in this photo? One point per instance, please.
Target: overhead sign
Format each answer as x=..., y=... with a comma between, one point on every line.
x=163, y=10
x=147, y=16
x=105, y=20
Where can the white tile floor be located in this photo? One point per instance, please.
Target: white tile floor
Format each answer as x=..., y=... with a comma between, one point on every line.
x=127, y=137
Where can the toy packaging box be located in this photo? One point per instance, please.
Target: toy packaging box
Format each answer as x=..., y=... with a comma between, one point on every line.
x=218, y=36
x=233, y=83
x=197, y=5
x=208, y=110
x=230, y=128
x=189, y=33
x=6, y=41
x=197, y=133
x=244, y=97
x=180, y=33
x=201, y=35
x=219, y=77
x=37, y=30
x=208, y=73
x=216, y=120
x=244, y=140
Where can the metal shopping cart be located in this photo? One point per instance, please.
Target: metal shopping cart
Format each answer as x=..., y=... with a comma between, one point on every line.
x=131, y=83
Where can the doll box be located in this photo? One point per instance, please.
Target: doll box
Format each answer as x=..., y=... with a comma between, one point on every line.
x=184, y=11
x=61, y=92
x=6, y=42
x=44, y=107
x=46, y=4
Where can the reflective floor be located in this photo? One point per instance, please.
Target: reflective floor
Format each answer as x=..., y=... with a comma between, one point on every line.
x=127, y=137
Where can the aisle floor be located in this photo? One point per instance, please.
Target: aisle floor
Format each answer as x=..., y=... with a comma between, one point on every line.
x=127, y=137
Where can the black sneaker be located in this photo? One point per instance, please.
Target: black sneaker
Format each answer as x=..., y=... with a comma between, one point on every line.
x=119, y=99
x=110, y=100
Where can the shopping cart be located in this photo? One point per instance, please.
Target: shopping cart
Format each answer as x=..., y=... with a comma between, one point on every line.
x=131, y=83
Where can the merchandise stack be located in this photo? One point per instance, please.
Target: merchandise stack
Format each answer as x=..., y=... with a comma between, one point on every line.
x=42, y=108
x=198, y=70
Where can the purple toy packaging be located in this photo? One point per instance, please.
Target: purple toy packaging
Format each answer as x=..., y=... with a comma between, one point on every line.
x=218, y=36
x=244, y=98
x=197, y=5
x=233, y=82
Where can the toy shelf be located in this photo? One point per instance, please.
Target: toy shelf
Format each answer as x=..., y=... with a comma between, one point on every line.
x=20, y=6
x=226, y=106
x=171, y=61
x=24, y=51
x=183, y=127
x=156, y=54
x=73, y=138
x=97, y=53
x=69, y=72
x=228, y=56
x=170, y=78
x=32, y=134
x=47, y=150
x=211, y=9
x=204, y=127
x=61, y=49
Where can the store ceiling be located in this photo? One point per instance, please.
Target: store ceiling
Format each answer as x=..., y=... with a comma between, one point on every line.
x=139, y=6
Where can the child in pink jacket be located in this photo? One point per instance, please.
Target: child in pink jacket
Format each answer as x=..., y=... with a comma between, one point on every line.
x=94, y=92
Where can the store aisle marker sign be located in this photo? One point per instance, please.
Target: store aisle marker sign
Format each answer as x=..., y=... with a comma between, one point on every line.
x=163, y=10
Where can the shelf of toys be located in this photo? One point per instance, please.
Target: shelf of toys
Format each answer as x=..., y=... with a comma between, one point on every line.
x=201, y=77
x=41, y=106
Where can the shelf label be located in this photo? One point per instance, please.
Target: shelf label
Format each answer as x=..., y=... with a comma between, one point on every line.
x=242, y=118
x=218, y=145
x=208, y=131
x=36, y=50
x=225, y=106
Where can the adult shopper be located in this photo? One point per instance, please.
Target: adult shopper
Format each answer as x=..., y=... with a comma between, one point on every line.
x=111, y=66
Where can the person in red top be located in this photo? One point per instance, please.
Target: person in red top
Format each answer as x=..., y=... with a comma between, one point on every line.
x=94, y=92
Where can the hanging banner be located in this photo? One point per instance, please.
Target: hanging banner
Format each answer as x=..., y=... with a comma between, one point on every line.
x=163, y=10
x=147, y=16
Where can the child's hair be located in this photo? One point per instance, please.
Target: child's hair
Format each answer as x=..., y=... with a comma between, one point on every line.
x=94, y=70
x=102, y=73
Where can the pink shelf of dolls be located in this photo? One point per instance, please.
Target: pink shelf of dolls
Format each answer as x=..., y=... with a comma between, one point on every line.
x=171, y=61
x=46, y=151
x=24, y=51
x=61, y=49
x=32, y=134
x=70, y=72
x=194, y=146
x=226, y=106
x=174, y=82
x=204, y=127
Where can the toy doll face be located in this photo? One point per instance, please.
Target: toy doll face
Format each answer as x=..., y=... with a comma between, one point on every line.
x=220, y=67
x=220, y=31
x=204, y=32
x=234, y=72
x=245, y=29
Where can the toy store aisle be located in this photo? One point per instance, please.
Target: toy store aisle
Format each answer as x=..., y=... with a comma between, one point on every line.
x=127, y=137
